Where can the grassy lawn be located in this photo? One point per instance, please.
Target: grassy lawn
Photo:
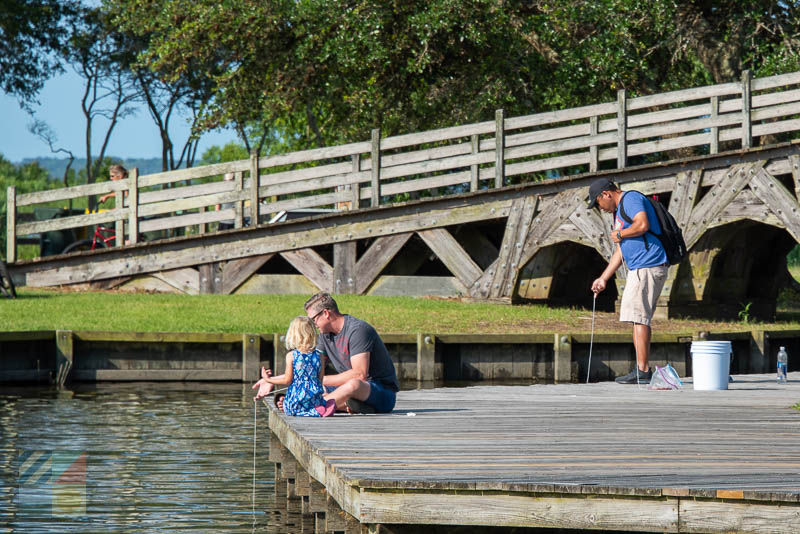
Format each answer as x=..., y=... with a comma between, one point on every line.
x=147, y=312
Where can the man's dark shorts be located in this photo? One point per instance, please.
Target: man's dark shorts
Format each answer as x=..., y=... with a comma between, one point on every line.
x=380, y=397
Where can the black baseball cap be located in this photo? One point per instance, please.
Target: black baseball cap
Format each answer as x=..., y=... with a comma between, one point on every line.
x=597, y=187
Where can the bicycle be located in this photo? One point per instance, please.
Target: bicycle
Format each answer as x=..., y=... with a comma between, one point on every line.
x=102, y=236
x=6, y=283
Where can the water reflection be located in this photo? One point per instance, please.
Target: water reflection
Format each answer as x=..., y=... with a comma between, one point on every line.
x=159, y=458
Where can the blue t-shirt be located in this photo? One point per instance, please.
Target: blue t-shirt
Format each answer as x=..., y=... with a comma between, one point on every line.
x=634, y=251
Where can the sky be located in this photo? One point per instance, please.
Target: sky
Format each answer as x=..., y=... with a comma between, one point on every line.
x=134, y=137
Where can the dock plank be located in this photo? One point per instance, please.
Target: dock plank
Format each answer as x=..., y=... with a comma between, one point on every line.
x=468, y=455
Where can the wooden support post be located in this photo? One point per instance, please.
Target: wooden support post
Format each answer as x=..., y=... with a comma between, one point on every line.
x=747, y=129
x=278, y=354
x=251, y=357
x=594, y=129
x=499, y=148
x=474, y=169
x=376, y=167
x=622, y=128
x=254, y=188
x=714, y=145
x=426, y=357
x=317, y=500
x=355, y=203
x=334, y=516
x=133, y=206
x=238, y=206
x=562, y=358
x=210, y=278
x=276, y=449
x=344, y=267
x=759, y=352
x=794, y=161
x=11, y=225
x=64, y=356
x=119, y=229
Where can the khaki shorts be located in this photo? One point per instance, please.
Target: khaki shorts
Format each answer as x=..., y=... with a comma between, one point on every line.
x=642, y=289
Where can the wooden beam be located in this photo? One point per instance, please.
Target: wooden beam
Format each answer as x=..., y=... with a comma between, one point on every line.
x=594, y=163
x=254, y=179
x=499, y=278
x=555, y=212
x=716, y=199
x=779, y=200
x=377, y=256
x=133, y=207
x=747, y=132
x=312, y=266
x=344, y=267
x=684, y=196
x=11, y=224
x=235, y=272
x=499, y=149
x=794, y=162
x=251, y=358
x=622, y=129
x=477, y=245
x=186, y=280
x=375, y=161
x=448, y=250
x=474, y=170
x=64, y=356
x=210, y=278
x=591, y=224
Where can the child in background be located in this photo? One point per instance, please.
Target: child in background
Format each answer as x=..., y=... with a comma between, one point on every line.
x=305, y=368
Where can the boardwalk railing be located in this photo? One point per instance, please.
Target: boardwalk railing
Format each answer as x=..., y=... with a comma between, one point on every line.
x=449, y=160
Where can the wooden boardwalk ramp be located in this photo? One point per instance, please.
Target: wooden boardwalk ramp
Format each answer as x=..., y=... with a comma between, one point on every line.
x=599, y=456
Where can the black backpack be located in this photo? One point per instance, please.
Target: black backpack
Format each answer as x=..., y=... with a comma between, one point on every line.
x=671, y=236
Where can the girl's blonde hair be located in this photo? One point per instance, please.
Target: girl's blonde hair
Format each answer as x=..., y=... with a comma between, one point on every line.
x=301, y=334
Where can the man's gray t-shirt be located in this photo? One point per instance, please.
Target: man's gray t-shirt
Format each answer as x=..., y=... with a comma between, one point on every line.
x=357, y=337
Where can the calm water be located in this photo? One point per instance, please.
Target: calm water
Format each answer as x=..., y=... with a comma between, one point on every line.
x=158, y=458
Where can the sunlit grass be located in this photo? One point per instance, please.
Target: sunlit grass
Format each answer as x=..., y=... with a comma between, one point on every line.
x=158, y=312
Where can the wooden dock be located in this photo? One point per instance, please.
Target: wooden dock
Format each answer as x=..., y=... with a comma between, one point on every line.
x=598, y=456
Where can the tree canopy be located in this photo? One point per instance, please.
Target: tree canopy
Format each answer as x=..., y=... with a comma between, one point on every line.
x=330, y=70
x=32, y=33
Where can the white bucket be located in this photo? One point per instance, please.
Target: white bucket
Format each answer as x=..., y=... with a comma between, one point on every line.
x=711, y=363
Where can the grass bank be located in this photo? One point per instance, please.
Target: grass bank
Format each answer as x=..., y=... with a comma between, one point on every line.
x=146, y=312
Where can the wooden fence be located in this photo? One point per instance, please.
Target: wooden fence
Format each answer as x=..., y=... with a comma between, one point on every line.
x=445, y=161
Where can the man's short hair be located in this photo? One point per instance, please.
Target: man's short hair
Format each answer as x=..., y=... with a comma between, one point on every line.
x=597, y=187
x=321, y=301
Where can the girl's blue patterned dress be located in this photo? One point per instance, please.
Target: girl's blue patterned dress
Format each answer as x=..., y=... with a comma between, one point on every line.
x=305, y=392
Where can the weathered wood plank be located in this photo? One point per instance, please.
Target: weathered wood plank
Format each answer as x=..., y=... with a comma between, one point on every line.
x=76, y=221
x=687, y=185
x=795, y=166
x=344, y=267
x=779, y=200
x=235, y=272
x=11, y=224
x=592, y=225
x=186, y=280
x=268, y=240
x=449, y=251
x=717, y=199
x=377, y=256
x=312, y=266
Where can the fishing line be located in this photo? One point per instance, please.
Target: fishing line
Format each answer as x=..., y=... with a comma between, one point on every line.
x=255, y=417
x=591, y=340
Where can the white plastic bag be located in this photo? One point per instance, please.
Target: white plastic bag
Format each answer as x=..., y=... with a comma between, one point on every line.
x=665, y=378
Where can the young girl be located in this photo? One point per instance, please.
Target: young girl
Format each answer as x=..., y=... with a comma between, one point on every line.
x=305, y=368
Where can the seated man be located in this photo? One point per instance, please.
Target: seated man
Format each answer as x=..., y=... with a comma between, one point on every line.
x=366, y=381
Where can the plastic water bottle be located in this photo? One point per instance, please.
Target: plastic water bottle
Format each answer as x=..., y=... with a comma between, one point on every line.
x=783, y=362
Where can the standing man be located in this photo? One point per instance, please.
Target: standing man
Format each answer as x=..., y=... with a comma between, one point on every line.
x=644, y=255
x=366, y=381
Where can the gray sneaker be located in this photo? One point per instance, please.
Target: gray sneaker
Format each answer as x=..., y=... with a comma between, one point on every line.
x=630, y=378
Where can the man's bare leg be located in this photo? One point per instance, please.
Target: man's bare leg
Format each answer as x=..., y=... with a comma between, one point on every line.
x=641, y=343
